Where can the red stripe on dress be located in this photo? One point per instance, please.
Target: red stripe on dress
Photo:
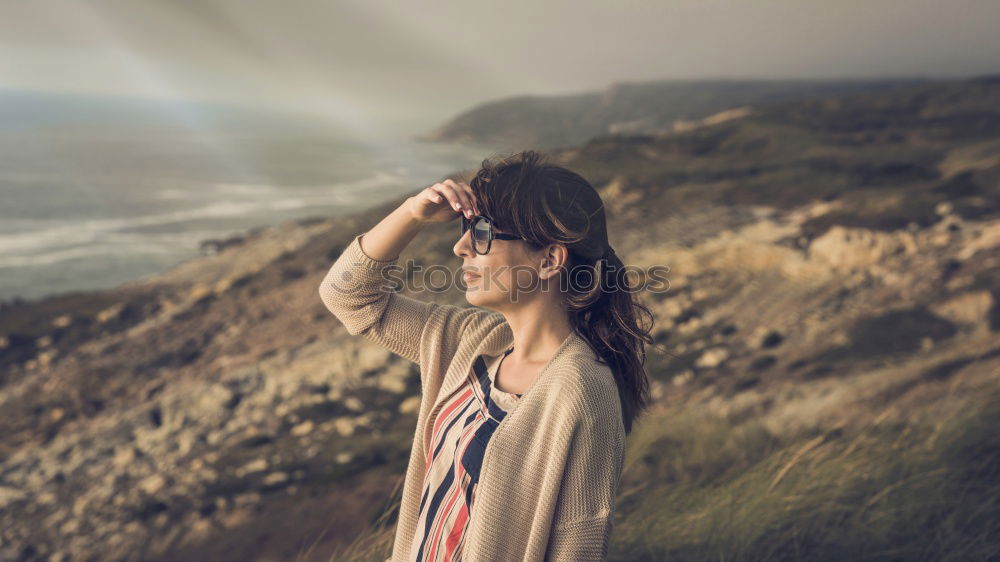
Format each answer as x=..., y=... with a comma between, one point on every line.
x=439, y=423
x=454, y=493
x=457, y=531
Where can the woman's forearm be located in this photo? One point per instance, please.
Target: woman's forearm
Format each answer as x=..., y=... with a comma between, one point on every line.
x=354, y=288
x=387, y=239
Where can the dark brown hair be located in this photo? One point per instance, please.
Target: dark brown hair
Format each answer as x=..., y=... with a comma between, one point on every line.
x=545, y=204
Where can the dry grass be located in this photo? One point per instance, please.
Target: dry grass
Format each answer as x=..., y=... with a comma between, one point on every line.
x=701, y=487
x=373, y=545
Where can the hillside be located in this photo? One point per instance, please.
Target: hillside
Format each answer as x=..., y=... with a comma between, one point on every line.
x=629, y=108
x=826, y=370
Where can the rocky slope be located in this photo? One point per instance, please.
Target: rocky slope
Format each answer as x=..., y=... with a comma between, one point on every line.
x=834, y=267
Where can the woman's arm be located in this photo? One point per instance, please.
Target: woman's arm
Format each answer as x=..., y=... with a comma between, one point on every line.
x=387, y=239
x=354, y=288
x=441, y=202
x=585, y=510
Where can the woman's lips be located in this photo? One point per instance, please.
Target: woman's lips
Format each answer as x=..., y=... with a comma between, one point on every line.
x=469, y=276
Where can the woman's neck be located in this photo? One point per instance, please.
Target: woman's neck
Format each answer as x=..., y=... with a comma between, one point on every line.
x=538, y=333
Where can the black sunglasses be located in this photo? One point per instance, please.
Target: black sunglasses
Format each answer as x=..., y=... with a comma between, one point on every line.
x=483, y=233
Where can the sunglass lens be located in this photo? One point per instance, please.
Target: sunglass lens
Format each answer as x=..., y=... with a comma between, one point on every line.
x=481, y=235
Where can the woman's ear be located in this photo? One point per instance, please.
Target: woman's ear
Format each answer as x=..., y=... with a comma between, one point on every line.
x=554, y=259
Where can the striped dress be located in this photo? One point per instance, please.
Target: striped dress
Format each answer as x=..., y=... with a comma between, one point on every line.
x=461, y=431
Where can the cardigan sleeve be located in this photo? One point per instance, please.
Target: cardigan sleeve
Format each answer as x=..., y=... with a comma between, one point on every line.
x=584, y=516
x=354, y=291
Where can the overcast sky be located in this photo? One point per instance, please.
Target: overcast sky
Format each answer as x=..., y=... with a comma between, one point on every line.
x=423, y=62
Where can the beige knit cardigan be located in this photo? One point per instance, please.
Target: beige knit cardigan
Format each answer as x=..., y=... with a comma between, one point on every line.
x=550, y=471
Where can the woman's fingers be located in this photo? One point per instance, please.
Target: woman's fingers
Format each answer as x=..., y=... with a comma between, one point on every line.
x=464, y=193
x=433, y=195
x=462, y=197
x=472, y=197
x=458, y=194
x=460, y=202
x=450, y=193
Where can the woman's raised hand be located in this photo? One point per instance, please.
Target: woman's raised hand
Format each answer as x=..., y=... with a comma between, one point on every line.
x=443, y=201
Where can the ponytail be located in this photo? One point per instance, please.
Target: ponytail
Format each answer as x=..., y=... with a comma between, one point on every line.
x=607, y=315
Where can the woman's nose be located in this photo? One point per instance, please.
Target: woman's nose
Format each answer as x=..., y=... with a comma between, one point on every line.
x=462, y=247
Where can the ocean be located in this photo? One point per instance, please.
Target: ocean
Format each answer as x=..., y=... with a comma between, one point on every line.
x=87, y=205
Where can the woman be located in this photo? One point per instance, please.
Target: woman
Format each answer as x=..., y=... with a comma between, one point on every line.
x=527, y=396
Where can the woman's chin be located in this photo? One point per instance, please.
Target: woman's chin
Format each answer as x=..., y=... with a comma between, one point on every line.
x=471, y=295
x=475, y=296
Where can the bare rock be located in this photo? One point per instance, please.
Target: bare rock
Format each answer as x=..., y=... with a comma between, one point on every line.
x=304, y=428
x=410, y=405
x=966, y=308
